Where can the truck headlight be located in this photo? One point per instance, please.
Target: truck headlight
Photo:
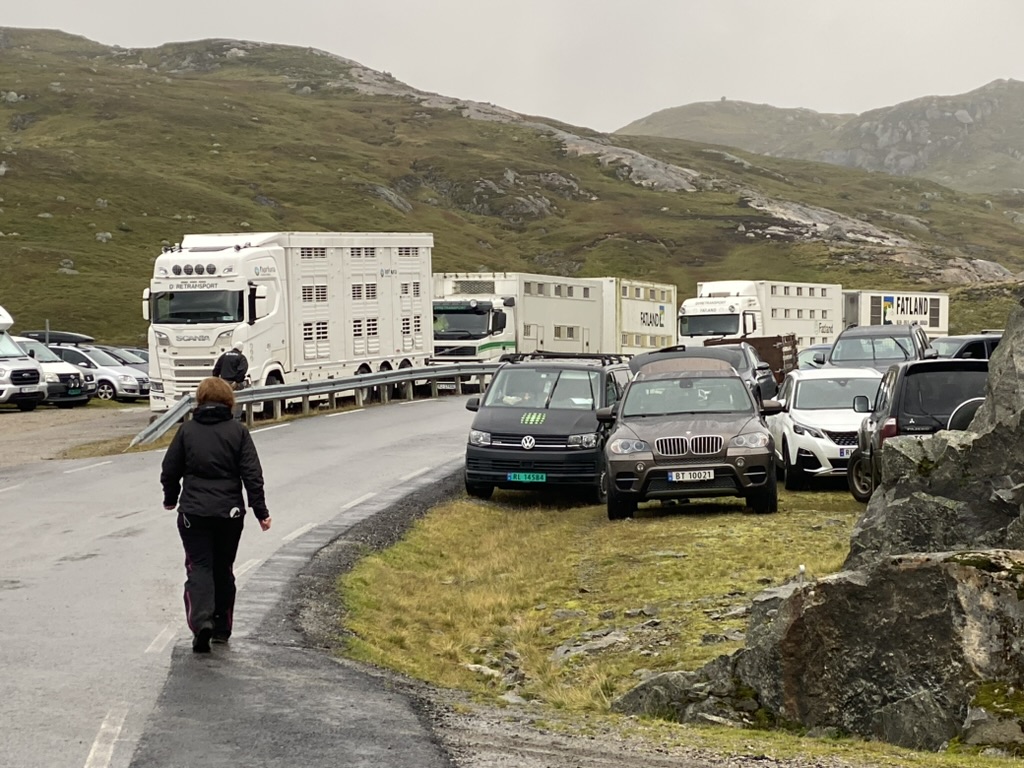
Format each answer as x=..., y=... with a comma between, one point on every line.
x=223, y=338
x=625, y=446
x=127, y=380
x=589, y=440
x=162, y=338
x=750, y=440
x=800, y=429
x=52, y=378
x=476, y=437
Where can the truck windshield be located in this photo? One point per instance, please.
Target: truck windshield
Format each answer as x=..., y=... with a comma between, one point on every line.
x=190, y=307
x=460, y=325
x=708, y=325
x=8, y=348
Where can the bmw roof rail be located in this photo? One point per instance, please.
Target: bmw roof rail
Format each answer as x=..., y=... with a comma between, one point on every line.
x=605, y=357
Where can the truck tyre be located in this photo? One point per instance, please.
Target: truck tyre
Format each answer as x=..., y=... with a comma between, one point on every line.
x=619, y=508
x=27, y=405
x=859, y=477
x=479, y=490
x=765, y=501
x=796, y=478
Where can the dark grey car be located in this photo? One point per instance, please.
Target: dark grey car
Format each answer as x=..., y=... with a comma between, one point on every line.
x=742, y=357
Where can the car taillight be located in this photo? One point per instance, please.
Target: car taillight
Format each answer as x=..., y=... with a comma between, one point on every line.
x=889, y=429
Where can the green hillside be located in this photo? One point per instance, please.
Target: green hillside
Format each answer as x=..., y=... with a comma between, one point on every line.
x=145, y=146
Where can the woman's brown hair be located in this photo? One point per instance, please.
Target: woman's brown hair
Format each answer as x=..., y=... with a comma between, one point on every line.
x=215, y=390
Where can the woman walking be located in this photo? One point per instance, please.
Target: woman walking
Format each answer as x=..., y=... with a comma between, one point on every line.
x=209, y=461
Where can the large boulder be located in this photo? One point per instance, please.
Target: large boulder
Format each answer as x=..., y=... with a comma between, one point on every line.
x=898, y=652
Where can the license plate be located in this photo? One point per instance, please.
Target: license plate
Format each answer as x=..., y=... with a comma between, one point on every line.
x=845, y=453
x=692, y=476
x=29, y=390
x=526, y=477
x=74, y=391
x=446, y=385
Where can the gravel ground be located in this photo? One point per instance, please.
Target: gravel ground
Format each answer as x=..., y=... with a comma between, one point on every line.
x=474, y=735
x=47, y=432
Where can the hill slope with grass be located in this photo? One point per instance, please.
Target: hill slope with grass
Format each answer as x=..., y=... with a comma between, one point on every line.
x=108, y=153
x=971, y=141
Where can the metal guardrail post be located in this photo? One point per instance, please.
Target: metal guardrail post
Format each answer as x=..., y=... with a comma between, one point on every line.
x=332, y=400
x=408, y=390
x=278, y=409
x=458, y=385
x=305, y=405
x=249, y=418
x=433, y=387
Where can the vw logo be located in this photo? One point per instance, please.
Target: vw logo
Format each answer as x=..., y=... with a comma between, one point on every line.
x=528, y=442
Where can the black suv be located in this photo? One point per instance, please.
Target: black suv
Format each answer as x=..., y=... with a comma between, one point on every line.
x=742, y=356
x=979, y=346
x=878, y=346
x=536, y=425
x=914, y=398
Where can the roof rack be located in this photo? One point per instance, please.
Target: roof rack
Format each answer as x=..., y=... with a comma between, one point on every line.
x=58, y=337
x=604, y=357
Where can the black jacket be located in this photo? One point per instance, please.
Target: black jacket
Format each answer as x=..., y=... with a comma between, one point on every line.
x=231, y=366
x=214, y=455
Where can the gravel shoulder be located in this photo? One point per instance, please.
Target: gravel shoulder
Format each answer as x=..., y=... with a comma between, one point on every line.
x=49, y=433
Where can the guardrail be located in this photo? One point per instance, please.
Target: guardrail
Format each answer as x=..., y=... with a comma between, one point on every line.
x=331, y=389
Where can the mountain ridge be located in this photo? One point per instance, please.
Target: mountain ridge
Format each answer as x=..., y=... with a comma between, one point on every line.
x=110, y=152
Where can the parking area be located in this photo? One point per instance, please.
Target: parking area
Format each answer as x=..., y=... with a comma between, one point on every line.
x=47, y=433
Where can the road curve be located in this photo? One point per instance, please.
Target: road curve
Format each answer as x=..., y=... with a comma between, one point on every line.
x=94, y=653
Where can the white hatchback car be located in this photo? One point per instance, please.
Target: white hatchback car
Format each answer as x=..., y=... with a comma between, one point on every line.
x=817, y=429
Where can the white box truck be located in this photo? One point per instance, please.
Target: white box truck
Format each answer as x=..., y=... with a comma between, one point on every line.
x=929, y=309
x=306, y=306
x=479, y=316
x=812, y=312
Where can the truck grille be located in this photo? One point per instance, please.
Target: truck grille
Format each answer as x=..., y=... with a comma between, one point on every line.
x=842, y=438
x=24, y=376
x=440, y=351
x=701, y=445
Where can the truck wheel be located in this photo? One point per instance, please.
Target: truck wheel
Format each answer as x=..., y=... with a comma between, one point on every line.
x=796, y=479
x=618, y=507
x=26, y=406
x=479, y=490
x=858, y=477
x=765, y=501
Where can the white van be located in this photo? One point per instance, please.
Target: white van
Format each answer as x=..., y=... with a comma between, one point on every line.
x=22, y=381
x=66, y=386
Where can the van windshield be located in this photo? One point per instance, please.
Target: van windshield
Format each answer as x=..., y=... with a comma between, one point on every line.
x=39, y=350
x=8, y=348
x=544, y=389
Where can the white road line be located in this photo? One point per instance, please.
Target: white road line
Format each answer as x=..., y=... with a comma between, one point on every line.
x=245, y=567
x=416, y=402
x=298, y=532
x=10, y=488
x=90, y=466
x=411, y=475
x=360, y=500
x=267, y=429
x=160, y=641
x=102, y=751
x=343, y=413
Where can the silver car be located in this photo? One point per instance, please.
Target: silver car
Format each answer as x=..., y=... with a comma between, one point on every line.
x=114, y=381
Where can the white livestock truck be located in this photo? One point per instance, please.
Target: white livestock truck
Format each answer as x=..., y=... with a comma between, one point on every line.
x=929, y=309
x=479, y=316
x=306, y=306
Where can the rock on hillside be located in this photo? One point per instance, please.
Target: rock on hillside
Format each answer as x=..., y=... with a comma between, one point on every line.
x=972, y=141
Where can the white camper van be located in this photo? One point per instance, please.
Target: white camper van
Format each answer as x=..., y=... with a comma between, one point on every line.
x=22, y=381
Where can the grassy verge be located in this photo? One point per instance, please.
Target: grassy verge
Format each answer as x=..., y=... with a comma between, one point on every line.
x=504, y=585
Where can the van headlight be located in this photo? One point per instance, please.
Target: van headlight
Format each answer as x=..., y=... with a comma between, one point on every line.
x=625, y=446
x=750, y=440
x=476, y=437
x=3, y=373
x=52, y=378
x=589, y=440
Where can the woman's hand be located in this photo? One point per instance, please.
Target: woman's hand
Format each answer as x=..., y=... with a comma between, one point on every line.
x=172, y=506
x=265, y=524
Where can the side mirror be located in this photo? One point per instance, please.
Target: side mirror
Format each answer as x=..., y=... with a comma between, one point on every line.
x=509, y=301
x=606, y=415
x=261, y=292
x=763, y=366
x=819, y=358
x=145, y=304
x=498, y=322
x=771, y=407
x=473, y=404
x=32, y=353
x=781, y=401
x=861, y=404
x=931, y=353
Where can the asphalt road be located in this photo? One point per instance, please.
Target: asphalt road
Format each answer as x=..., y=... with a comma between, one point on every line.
x=96, y=663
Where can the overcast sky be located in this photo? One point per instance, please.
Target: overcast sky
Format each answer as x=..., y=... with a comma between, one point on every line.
x=604, y=63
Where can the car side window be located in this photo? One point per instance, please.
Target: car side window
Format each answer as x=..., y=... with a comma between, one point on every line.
x=786, y=392
x=72, y=356
x=976, y=350
x=992, y=344
x=611, y=390
x=885, y=392
x=622, y=378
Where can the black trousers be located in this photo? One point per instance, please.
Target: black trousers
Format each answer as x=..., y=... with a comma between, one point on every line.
x=211, y=544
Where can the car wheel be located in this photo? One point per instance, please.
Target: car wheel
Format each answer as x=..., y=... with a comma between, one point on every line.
x=618, y=507
x=765, y=501
x=858, y=477
x=479, y=490
x=795, y=477
x=105, y=391
x=25, y=407
x=598, y=493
